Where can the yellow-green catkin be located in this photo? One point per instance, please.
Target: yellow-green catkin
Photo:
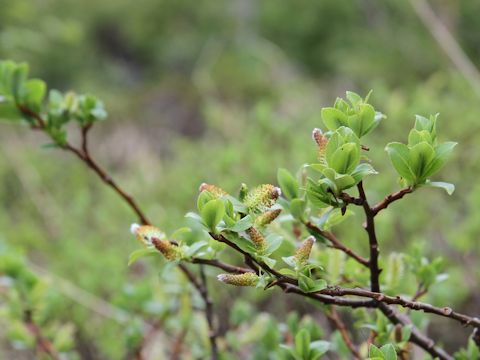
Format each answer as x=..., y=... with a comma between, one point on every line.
x=267, y=217
x=263, y=196
x=152, y=237
x=322, y=142
x=245, y=279
x=303, y=252
x=258, y=239
x=213, y=189
x=168, y=250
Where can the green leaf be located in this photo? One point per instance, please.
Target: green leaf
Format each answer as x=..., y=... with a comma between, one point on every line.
x=302, y=344
x=289, y=260
x=429, y=125
x=19, y=77
x=400, y=157
x=362, y=170
x=333, y=118
x=320, y=347
x=343, y=182
x=244, y=244
x=448, y=187
x=335, y=218
x=345, y=159
x=415, y=136
x=389, y=352
x=374, y=352
x=354, y=98
x=421, y=155
x=274, y=241
x=305, y=283
x=203, y=198
x=137, y=254
x=297, y=208
x=195, y=248
x=288, y=183
x=9, y=111
x=242, y=224
x=442, y=154
x=35, y=90
x=319, y=285
x=212, y=213
x=183, y=230
x=364, y=121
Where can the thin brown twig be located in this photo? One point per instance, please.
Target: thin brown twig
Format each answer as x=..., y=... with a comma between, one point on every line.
x=42, y=343
x=212, y=331
x=336, y=244
x=342, y=329
x=397, y=300
x=221, y=265
x=390, y=199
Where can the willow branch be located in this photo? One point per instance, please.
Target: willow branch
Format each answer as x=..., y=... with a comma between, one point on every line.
x=372, y=240
x=390, y=199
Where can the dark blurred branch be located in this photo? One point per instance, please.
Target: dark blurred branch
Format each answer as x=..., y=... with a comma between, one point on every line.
x=212, y=333
x=42, y=343
x=342, y=329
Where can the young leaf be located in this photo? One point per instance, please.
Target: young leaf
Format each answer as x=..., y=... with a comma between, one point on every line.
x=297, y=208
x=137, y=254
x=362, y=170
x=389, y=352
x=449, y=188
x=288, y=183
x=400, y=157
x=345, y=158
x=442, y=153
x=333, y=118
x=35, y=90
x=421, y=155
x=203, y=198
x=374, y=352
x=242, y=224
x=273, y=243
x=212, y=213
x=302, y=344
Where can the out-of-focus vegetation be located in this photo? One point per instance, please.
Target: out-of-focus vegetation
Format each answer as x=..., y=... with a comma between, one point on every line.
x=221, y=91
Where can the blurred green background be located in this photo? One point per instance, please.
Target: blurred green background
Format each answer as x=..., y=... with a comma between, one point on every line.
x=226, y=92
